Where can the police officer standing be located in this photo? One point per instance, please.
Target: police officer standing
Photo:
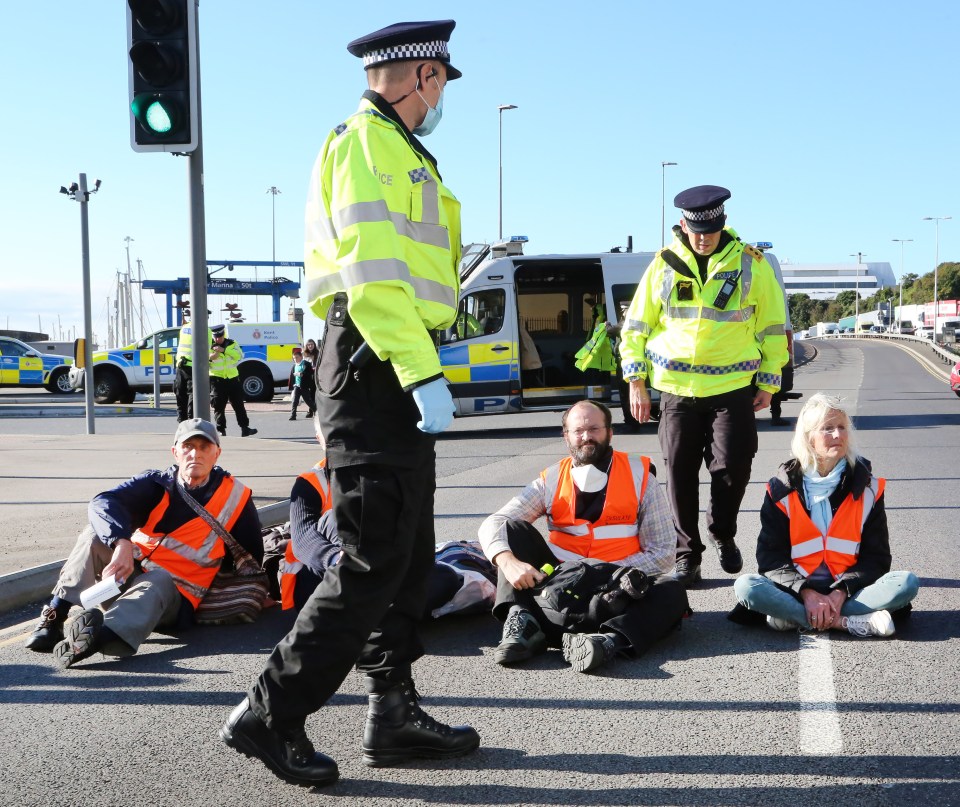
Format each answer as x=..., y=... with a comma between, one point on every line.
x=706, y=328
x=382, y=249
x=225, y=385
x=183, y=381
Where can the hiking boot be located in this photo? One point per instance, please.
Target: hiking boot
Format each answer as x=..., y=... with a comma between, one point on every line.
x=522, y=638
x=246, y=431
x=686, y=571
x=731, y=561
x=81, y=639
x=290, y=755
x=48, y=632
x=587, y=651
x=781, y=624
x=878, y=623
x=398, y=729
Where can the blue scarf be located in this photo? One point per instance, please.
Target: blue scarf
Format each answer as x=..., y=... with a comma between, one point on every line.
x=817, y=491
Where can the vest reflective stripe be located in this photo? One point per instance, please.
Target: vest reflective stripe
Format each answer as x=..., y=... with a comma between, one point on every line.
x=672, y=364
x=840, y=547
x=635, y=325
x=615, y=535
x=192, y=552
x=423, y=232
x=738, y=315
x=378, y=270
x=290, y=566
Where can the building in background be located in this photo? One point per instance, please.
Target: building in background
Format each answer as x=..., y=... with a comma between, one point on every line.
x=824, y=281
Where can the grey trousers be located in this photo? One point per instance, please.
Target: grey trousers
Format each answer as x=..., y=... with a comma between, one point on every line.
x=149, y=600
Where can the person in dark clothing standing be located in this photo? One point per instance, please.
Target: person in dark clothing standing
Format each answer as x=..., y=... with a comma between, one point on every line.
x=302, y=383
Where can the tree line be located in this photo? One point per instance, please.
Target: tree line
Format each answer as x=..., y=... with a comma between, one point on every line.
x=917, y=289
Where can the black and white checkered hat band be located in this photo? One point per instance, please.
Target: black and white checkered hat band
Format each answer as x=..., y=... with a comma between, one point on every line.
x=703, y=215
x=417, y=50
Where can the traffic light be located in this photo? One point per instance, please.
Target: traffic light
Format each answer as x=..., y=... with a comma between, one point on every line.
x=162, y=43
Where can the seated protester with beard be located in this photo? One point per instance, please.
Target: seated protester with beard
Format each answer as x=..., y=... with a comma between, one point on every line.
x=599, y=503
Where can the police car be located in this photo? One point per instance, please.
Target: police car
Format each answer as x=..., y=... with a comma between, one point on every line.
x=23, y=366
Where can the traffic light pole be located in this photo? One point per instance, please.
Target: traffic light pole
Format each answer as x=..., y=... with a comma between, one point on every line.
x=198, y=266
x=88, y=388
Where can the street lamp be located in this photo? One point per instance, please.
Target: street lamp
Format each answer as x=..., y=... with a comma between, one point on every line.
x=501, y=108
x=856, y=309
x=901, y=241
x=663, y=212
x=274, y=190
x=936, y=267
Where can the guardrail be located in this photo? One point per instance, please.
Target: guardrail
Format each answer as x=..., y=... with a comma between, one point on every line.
x=938, y=351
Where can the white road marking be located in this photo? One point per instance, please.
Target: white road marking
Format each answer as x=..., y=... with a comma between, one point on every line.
x=820, y=733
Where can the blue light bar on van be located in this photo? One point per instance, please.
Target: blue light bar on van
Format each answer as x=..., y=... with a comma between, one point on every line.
x=521, y=238
x=762, y=245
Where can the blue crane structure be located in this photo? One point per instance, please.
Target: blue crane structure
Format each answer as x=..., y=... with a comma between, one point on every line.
x=275, y=287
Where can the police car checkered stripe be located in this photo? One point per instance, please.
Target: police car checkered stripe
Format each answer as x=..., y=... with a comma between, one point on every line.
x=436, y=49
x=635, y=325
x=325, y=229
x=377, y=271
x=770, y=379
x=704, y=369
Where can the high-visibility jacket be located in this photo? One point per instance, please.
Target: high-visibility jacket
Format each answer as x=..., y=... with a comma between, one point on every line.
x=290, y=566
x=597, y=353
x=676, y=337
x=615, y=535
x=185, y=343
x=192, y=552
x=382, y=227
x=839, y=548
x=225, y=364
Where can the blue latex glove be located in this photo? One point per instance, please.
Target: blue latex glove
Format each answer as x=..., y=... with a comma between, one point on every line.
x=436, y=406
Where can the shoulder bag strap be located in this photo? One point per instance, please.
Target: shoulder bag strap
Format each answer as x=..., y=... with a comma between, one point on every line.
x=240, y=555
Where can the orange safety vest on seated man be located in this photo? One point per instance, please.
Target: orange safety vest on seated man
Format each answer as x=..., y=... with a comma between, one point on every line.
x=193, y=551
x=615, y=535
x=290, y=565
x=840, y=547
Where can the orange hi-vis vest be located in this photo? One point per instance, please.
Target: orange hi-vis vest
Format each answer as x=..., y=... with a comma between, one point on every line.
x=290, y=565
x=615, y=535
x=839, y=548
x=192, y=552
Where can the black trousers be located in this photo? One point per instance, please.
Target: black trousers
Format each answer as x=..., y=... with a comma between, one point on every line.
x=644, y=622
x=721, y=431
x=183, y=390
x=366, y=608
x=308, y=396
x=223, y=391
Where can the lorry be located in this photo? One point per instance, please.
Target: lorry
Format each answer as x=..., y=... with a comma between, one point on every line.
x=514, y=308
x=823, y=329
x=121, y=373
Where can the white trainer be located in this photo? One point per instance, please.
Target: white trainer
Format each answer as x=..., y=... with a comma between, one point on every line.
x=878, y=623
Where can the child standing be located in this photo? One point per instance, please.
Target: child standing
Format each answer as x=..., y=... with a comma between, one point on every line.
x=302, y=383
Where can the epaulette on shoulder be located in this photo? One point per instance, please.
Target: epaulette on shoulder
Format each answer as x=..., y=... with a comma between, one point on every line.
x=753, y=252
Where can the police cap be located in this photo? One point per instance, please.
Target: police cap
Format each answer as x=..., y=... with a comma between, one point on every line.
x=702, y=207
x=404, y=41
x=218, y=330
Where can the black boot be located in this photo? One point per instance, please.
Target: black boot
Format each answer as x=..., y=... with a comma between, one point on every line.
x=398, y=729
x=246, y=431
x=49, y=631
x=290, y=756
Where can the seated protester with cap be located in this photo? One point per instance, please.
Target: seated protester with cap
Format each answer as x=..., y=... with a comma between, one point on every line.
x=824, y=548
x=462, y=580
x=162, y=555
x=706, y=327
x=225, y=384
x=599, y=503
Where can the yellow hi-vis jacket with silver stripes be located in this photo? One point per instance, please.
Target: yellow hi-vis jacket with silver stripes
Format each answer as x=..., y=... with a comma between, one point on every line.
x=224, y=365
x=381, y=226
x=676, y=338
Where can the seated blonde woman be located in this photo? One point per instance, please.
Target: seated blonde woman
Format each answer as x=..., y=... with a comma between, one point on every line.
x=824, y=551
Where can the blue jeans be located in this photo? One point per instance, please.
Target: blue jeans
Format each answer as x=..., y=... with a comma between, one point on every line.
x=758, y=593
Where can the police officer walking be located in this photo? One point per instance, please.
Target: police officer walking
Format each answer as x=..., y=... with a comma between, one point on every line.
x=225, y=384
x=706, y=328
x=183, y=381
x=382, y=249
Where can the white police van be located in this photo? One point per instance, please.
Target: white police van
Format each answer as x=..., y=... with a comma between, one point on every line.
x=121, y=373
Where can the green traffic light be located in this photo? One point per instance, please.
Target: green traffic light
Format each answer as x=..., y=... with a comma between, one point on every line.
x=158, y=114
x=158, y=119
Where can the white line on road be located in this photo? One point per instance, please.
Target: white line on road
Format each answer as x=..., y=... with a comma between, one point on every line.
x=819, y=722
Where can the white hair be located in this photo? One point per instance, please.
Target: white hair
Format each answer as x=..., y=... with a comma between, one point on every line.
x=812, y=417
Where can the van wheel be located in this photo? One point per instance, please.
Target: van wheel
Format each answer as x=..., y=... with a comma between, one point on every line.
x=257, y=384
x=128, y=397
x=59, y=381
x=109, y=384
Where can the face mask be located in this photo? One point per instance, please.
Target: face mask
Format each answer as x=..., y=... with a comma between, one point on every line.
x=588, y=478
x=432, y=117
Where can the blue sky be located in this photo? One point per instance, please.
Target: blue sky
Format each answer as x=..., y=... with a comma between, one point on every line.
x=834, y=124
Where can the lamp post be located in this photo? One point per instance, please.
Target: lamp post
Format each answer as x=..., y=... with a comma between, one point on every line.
x=901, y=241
x=273, y=190
x=936, y=268
x=663, y=211
x=856, y=304
x=78, y=193
x=501, y=108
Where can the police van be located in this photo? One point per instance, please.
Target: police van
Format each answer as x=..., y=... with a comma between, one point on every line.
x=522, y=320
x=24, y=366
x=121, y=373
